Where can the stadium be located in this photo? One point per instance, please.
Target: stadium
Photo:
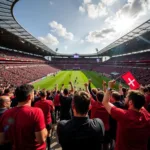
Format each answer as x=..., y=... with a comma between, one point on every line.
x=25, y=59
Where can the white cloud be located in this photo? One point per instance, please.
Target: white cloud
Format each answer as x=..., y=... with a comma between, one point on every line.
x=49, y=40
x=81, y=9
x=94, y=11
x=87, y=1
x=61, y=31
x=128, y=16
x=99, y=35
x=108, y=2
x=133, y=8
x=123, y=21
x=51, y=3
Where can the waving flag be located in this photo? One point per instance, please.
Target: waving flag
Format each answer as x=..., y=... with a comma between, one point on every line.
x=131, y=81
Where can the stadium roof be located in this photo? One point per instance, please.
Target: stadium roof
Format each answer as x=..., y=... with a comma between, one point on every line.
x=140, y=30
x=16, y=37
x=8, y=22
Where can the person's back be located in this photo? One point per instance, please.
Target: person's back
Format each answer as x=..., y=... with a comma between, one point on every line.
x=47, y=108
x=115, y=98
x=57, y=100
x=20, y=125
x=133, y=130
x=99, y=111
x=23, y=126
x=65, y=110
x=81, y=132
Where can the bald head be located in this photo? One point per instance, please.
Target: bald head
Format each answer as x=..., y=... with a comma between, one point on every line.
x=5, y=102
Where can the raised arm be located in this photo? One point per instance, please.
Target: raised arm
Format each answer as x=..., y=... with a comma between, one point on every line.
x=107, y=95
x=104, y=86
x=72, y=88
x=56, y=88
x=120, y=89
x=86, y=88
x=90, y=90
x=61, y=89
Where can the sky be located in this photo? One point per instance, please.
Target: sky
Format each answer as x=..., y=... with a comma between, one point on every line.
x=80, y=26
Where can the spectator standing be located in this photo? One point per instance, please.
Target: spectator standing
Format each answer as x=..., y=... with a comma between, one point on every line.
x=47, y=108
x=81, y=132
x=24, y=126
x=65, y=102
x=133, y=128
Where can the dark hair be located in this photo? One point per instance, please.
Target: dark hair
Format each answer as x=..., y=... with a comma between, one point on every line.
x=1, y=102
x=100, y=96
x=35, y=92
x=145, y=90
x=148, y=87
x=66, y=92
x=48, y=93
x=6, y=91
x=94, y=90
x=43, y=94
x=22, y=92
x=1, y=92
x=137, y=98
x=81, y=102
x=116, y=96
x=58, y=92
x=124, y=90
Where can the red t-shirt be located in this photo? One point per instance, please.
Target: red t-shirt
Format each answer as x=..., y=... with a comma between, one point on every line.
x=99, y=111
x=47, y=108
x=57, y=100
x=20, y=124
x=133, y=129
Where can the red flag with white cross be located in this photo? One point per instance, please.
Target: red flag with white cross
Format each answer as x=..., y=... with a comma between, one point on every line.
x=131, y=81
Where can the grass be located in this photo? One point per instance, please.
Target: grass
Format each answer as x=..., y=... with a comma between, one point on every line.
x=63, y=77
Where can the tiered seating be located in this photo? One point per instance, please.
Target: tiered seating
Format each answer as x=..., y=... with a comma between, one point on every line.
x=133, y=57
x=20, y=74
x=15, y=56
x=74, y=61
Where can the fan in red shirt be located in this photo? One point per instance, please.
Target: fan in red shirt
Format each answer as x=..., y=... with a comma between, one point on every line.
x=57, y=104
x=23, y=126
x=133, y=128
x=47, y=108
x=98, y=110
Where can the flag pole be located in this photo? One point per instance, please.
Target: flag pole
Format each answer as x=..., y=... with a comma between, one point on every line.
x=120, y=76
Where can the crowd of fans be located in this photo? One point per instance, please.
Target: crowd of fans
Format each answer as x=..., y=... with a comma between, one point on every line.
x=20, y=74
x=98, y=119
x=12, y=55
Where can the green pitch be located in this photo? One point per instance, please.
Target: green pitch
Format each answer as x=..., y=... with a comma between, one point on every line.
x=63, y=77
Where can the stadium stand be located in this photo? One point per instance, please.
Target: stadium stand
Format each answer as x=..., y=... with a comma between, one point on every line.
x=24, y=73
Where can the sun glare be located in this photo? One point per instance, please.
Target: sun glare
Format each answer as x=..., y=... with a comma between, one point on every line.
x=123, y=24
